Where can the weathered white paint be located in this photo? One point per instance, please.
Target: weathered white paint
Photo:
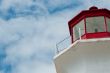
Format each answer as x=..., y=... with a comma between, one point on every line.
x=85, y=56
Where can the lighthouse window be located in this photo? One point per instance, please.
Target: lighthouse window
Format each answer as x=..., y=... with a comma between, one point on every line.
x=76, y=32
x=108, y=23
x=95, y=24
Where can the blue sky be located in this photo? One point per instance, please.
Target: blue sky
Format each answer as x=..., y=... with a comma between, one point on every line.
x=30, y=29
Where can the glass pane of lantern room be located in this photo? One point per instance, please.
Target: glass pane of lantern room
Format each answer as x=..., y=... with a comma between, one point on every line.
x=76, y=30
x=108, y=23
x=95, y=24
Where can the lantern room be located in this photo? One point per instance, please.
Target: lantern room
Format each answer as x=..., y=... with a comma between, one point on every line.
x=89, y=24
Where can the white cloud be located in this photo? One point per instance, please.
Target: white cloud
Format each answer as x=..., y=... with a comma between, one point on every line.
x=21, y=8
x=56, y=3
x=102, y=3
x=98, y=3
x=32, y=41
x=18, y=3
x=34, y=67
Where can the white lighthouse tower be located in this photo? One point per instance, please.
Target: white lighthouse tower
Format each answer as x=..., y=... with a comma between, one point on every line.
x=89, y=51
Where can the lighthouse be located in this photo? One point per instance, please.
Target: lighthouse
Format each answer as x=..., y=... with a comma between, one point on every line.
x=89, y=51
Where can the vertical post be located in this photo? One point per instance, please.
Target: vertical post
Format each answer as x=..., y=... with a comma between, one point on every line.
x=72, y=39
x=105, y=24
x=85, y=26
x=56, y=51
x=80, y=33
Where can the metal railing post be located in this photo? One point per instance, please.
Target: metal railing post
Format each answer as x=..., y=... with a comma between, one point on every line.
x=65, y=43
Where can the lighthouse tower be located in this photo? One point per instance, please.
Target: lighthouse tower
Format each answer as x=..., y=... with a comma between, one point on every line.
x=89, y=51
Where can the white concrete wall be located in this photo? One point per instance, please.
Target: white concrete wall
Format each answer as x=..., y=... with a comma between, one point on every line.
x=85, y=57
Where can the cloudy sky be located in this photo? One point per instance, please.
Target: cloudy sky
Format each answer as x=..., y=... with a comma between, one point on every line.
x=30, y=29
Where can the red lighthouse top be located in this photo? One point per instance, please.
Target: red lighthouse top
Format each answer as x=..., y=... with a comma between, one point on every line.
x=88, y=24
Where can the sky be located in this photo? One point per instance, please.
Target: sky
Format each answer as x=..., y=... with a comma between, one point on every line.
x=30, y=29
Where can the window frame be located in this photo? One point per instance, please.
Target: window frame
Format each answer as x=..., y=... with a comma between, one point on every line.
x=104, y=25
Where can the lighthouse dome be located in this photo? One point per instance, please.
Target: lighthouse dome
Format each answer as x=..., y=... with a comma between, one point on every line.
x=93, y=8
